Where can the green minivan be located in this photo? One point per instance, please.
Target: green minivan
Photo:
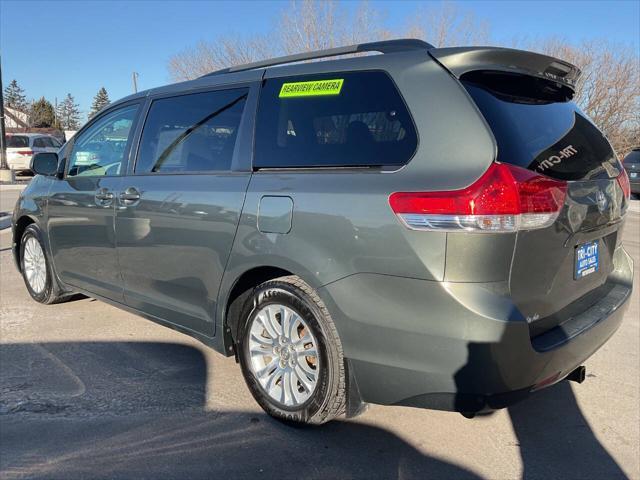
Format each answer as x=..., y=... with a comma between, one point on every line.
x=430, y=227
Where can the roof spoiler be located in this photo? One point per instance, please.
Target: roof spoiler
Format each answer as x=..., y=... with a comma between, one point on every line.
x=460, y=60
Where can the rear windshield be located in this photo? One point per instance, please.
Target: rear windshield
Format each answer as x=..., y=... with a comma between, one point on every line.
x=538, y=127
x=348, y=119
x=17, y=141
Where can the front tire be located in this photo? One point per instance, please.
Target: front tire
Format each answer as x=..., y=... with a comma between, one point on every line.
x=290, y=353
x=36, y=268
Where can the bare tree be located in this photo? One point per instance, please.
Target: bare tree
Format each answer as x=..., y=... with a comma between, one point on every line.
x=608, y=90
x=304, y=25
x=446, y=25
x=309, y=25
x=207, y=57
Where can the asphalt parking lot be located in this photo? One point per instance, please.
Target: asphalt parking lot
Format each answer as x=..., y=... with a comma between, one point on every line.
x=89, y=391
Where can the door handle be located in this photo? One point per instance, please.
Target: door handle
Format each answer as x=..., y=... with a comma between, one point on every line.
x=104, y=197
x=130, y=196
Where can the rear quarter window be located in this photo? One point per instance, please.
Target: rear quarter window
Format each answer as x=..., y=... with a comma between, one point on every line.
x=354, y=119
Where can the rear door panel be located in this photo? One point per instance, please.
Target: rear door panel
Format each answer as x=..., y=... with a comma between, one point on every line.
x=174, y=243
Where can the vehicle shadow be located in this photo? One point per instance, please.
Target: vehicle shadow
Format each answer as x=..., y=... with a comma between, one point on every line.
x=554, y=437
x=137, y=410
x=556, y=440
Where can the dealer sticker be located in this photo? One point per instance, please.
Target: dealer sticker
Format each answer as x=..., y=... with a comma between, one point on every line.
x=586, y=259
x=311, y=89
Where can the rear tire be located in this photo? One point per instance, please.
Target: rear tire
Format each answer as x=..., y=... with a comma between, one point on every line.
x=36, y=269
x=290, y=353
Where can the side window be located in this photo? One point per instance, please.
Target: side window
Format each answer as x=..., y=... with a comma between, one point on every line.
x=17, y=141
x=47, y=142
x=333, y=120
x=39, y=142
x=100, y=149
x=191, y=133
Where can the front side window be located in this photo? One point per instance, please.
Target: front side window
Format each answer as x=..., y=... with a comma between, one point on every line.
x=333, y=120
x=100, y=149
x=191, y=133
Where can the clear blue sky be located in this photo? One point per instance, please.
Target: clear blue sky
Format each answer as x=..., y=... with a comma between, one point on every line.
x=53, y=48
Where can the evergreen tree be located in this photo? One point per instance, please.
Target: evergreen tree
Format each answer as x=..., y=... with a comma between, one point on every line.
x=42, y=114
x=69, y=113
x=15, y=98
x=99, y=101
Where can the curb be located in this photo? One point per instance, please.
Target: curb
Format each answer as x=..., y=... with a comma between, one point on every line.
x=10, y=186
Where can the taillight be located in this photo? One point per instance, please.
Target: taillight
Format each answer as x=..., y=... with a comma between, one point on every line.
x=24, y=152
x=505, y=198
x=623, y=181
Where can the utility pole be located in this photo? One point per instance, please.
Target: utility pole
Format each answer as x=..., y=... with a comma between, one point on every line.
x=6, y=175
x=134, y=78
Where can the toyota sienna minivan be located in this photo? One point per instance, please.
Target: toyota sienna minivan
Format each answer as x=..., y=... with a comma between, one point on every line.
x=429, y=227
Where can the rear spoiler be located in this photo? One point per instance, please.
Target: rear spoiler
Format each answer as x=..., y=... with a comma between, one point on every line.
x=460, y=60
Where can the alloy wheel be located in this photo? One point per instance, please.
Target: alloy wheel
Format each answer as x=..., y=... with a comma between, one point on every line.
x=35, y=265
x=284, y=355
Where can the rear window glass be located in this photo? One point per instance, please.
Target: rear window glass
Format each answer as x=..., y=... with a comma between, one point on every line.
x=333, y=120
x=544, y=132
x=191, y=133
x=17, y=141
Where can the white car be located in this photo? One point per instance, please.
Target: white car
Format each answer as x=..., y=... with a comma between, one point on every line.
x=22, y=146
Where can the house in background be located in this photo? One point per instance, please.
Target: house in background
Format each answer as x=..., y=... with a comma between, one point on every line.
x=15, y=119
x=18, y=122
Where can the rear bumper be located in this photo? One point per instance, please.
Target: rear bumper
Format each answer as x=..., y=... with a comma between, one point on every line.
x=19, y=162
x=635, y=186
x=460, y=347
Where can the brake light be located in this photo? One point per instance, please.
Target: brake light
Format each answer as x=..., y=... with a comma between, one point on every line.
x=623, y=181
x=24, y=152
x=505, y=198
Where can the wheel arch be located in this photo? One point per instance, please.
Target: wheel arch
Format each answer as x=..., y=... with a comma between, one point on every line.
x=18, y=231
x=237, y=295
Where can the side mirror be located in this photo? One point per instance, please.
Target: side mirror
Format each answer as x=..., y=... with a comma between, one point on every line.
x=45, y=163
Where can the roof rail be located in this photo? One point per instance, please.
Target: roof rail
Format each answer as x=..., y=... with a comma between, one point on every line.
x=386, y=46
